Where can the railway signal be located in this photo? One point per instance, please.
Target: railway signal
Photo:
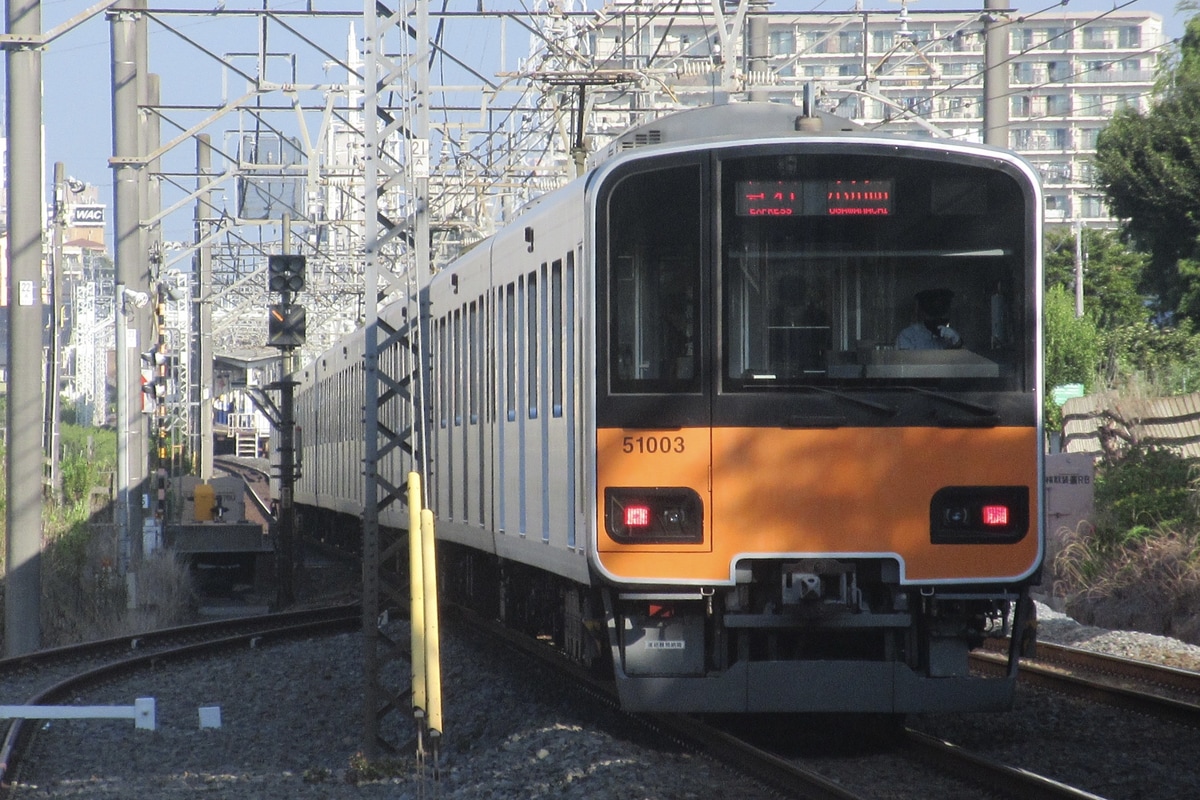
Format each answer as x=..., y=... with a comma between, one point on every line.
x=285, y=273
x=287, y=325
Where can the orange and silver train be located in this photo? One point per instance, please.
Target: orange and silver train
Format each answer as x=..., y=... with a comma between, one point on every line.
x=749, y=412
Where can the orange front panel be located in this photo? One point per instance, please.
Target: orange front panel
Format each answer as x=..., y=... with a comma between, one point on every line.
x=844, y=491
x=648, y=459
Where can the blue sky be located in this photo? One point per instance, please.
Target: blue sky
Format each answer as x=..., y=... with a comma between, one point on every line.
x=76, y=67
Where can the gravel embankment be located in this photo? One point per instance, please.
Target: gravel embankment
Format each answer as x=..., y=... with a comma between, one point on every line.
x=291, y=715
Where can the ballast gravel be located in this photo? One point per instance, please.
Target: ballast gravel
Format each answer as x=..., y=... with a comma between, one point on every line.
x=291, y=715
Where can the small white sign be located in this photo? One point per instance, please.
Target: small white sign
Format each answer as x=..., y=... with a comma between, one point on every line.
x=89, y=216
x=210, y=716
x=419, y=157
x=25, y=293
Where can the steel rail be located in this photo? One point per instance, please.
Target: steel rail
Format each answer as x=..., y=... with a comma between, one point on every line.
x=1123, y=667
x=992, y=775
x=1097, y=690
x=281, y=626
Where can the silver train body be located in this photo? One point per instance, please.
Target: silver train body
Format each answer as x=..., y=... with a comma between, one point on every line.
x=668, y=426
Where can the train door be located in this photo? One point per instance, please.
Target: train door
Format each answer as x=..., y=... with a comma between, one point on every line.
x=653, y=406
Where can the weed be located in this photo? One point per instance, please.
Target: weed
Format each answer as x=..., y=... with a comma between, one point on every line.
x=1141, y=490
x=363, y=770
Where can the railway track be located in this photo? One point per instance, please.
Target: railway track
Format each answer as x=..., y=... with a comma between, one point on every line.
x=258, y=488
x=979, y=775
x=793, y=777
x=53, y=676
x=1167, y=693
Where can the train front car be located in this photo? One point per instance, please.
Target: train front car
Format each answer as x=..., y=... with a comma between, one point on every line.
x=817, y=421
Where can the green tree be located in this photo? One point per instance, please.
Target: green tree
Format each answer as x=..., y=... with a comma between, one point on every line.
x=1149, y=168
x=1072, y=347
x=1112, y=275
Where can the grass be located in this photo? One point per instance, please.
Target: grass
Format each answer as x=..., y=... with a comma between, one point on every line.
x=1136, y=566
x=84, y=596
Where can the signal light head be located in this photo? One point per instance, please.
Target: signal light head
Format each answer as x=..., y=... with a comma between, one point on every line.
x=285, y=273
x=287, y=326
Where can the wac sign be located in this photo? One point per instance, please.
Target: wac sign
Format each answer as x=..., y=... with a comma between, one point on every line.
x=87, y=216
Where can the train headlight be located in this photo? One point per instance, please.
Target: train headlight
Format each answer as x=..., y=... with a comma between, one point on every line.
x=979, y=515
x=654, y=515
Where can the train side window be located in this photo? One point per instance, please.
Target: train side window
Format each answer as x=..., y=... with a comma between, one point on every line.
x=556, y=338
x=442, y=360
x=456, y=373
x=473, y=364
x=510, y=356
x=531, y=320
x=655, y=270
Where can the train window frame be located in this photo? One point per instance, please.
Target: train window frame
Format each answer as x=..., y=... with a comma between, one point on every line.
x=532, y=337
x=1010, y=259
x=510, y=351
x=457, y=346
x=556, y=335
x=633, y=278
x=473, y=373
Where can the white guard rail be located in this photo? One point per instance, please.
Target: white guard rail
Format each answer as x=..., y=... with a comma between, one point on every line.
x=141, y=712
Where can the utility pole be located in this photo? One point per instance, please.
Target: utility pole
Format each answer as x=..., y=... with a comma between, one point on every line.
x=995, y=73
x=53, y=357
x=1078, y=268
x=132, y=294
x=758, y=50
x=23, y=512
x=202, y=362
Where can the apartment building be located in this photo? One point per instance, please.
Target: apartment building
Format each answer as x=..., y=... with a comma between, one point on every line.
x=899, y=69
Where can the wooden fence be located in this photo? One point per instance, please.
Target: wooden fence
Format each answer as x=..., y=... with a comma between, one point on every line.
x=1100, y=422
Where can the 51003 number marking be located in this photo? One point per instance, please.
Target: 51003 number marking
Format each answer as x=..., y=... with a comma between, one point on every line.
x=652, y=444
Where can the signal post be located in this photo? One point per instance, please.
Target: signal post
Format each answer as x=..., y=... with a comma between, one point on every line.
x=287, y=330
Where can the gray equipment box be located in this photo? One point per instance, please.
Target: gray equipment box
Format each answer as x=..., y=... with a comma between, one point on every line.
x=663, y=646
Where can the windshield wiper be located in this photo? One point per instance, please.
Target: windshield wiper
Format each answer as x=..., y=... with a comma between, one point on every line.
x=880, y=408
x=974, y=408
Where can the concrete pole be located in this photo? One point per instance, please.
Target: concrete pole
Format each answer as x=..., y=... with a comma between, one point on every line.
x=23, y=514
x=202, y=364
x=1078, y=268
x=132, y=295
x=54, y=354
x=995, y=73
x=758, y=49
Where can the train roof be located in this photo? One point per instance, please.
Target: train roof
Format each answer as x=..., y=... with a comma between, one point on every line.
x=725, y=120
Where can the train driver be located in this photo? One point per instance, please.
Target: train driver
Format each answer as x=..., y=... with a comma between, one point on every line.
x=931, y=330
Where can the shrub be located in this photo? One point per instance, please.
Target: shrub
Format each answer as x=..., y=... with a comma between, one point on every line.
x=1141, y=489
x=87, y=453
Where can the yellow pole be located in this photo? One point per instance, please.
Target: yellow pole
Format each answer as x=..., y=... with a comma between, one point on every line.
x=433, y=657
x=416, y=577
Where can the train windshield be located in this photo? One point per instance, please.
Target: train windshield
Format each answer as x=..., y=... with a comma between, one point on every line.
x=873, y=271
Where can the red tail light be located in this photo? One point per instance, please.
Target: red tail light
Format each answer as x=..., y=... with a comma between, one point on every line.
x=637, y=516
x=995, y=516
x=658, y=515
x=979, y=515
